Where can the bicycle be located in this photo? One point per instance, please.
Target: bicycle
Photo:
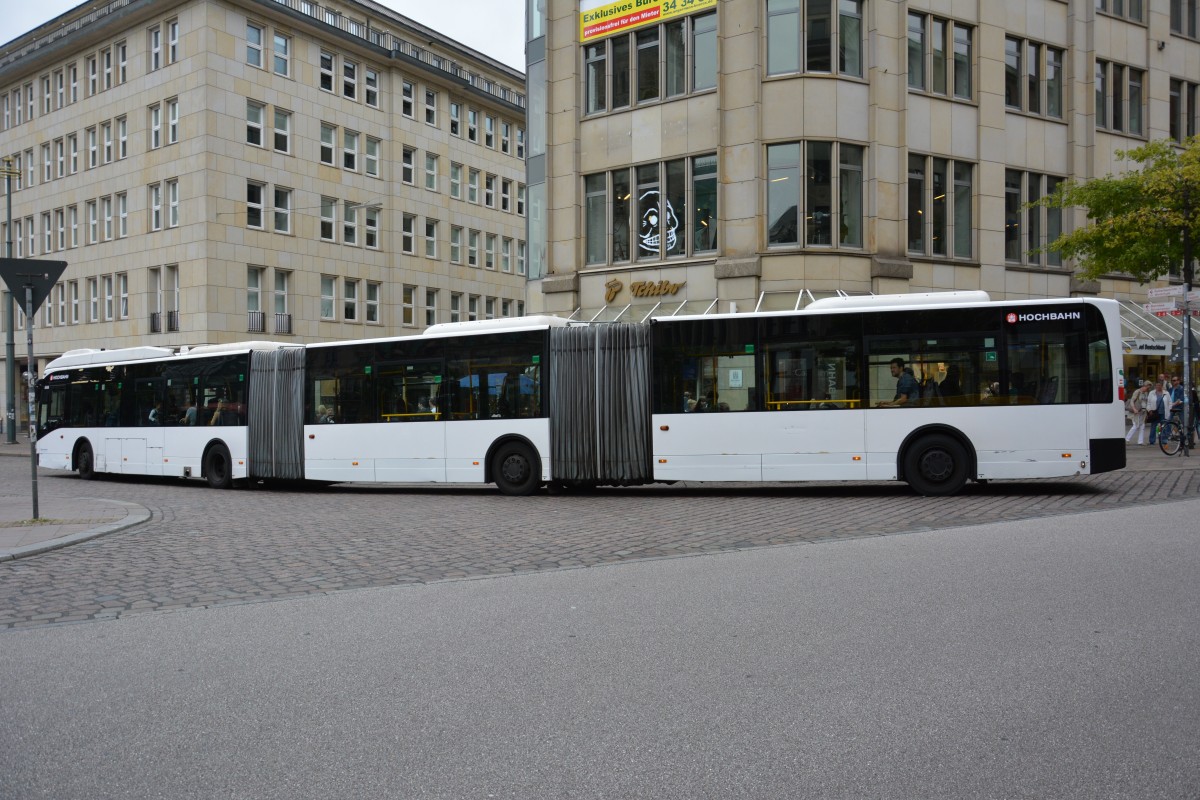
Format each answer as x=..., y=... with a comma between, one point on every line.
x=1170, y=435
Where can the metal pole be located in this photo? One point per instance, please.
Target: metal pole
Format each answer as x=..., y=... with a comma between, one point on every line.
x=10, y=345
x=1187, y=323
x=32, y=386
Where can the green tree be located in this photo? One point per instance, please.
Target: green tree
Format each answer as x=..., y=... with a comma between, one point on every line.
x=1139, y=222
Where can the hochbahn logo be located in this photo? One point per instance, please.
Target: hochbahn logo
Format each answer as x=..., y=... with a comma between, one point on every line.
x=1043, y=316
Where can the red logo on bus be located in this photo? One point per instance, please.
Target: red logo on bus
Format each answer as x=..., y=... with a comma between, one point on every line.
x=1011, y=318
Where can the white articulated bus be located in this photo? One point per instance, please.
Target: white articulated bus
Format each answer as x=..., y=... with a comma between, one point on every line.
x=936, y=390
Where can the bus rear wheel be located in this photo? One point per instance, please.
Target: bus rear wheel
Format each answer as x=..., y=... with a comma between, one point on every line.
x=515, y=469
x=218, y=467
x=85, y=462
x=936, y=465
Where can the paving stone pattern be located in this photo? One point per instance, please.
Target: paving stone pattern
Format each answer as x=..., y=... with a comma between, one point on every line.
x=204, y=548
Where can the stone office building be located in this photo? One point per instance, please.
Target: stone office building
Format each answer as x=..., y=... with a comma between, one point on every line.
x=726, y=156
x=223, y=170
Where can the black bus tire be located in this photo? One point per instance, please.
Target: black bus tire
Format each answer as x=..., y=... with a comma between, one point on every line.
x=218, y=467
x=936, y=465
x=85, y=462
x=515, y=469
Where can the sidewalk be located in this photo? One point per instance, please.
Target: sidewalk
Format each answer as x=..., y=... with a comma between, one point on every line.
x=68, y=520
x=76, y=519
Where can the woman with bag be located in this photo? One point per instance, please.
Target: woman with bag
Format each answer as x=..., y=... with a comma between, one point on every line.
x=1135, y=408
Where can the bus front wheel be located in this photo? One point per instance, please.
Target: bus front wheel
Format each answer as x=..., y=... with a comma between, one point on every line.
x=218, y=467
x=936, y=465
x=515, y=469
x=85, y=462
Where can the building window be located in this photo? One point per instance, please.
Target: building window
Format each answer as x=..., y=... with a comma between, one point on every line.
x=408, y=234
x=1183, y=109
x=282, y=278
x=408, y=166
x=472, y=307
x=1033, y=77
x=408, y=306
x=123, y=295
x=456, y=180
x=1119, y=97
x=155, y=37
x=93, y=221
x=455, y=118
x=349, y=79
x=1028, y=229
x=456, y=307
x=155, y=126
x=122, y=215
x=93, y=150
x=47, y=162
x=674, y=212
x=1129, y=9
x=254, y=204
x=107, y=136
x=155, y=207
x=506, y=195
x=173, y=203
x=472, y=248
x=108, y=297
x=372, y=228
x=431, y=236
x=172, y=42
x=371, y=87
x=283, y=210
x=506, y=255
x=430, y=108
x=254, y=45
x=328, y=284
x=489, y=191
x=406, y=98
x=940, y=56
x=283, y=126
x=328, y=143
x=1184, y=16
x=505, y=137
x=48, y=231
x=489, y=131
x=73, y=79
x=282, y=53
x=373, y=290
x=254, y=277
x=328, y=209
x=60, y=158
x=371, y=157
x=122, y=138
x=350, y=151
x=74, y=302
x=939, y=206
x=350, y=224
x=431, y=307
x=472, y=125
x=473, y=186
x=73, y=150
x=325, y=81
x=668, y=60
x=172, y=121
x=456, y=232
x=254, y=123
x=489, y=251
x=73, y=224
x=803, y=35
x=350, y=300
x=520, y=199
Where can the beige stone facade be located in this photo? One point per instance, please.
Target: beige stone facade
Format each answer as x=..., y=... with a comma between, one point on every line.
x=257, y=169
x=1016, y=95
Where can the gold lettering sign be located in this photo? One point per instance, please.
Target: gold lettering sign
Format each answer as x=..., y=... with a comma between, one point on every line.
x=652, y=289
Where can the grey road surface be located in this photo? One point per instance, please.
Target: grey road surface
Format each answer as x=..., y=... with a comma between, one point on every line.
x=1053, y=657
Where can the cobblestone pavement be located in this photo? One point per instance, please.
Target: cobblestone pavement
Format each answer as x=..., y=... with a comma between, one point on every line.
x=205, y=548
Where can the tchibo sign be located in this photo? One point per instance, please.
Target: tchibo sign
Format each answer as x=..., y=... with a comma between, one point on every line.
x=1147, y=347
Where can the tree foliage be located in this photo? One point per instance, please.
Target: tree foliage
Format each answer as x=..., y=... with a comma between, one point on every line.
x=1137, y=220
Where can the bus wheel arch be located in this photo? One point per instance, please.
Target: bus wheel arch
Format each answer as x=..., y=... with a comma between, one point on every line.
x=216, y=465
x=83, y=460
x=514, y=465
x=936, y=460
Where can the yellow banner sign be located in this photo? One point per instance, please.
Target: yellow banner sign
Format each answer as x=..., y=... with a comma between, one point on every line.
x=598, y=19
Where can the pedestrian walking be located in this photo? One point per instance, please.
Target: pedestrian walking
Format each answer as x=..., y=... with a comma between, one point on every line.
x=1135, y=408
x=1158, y=408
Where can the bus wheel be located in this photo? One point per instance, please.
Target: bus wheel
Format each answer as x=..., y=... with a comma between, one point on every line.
x=936, y=465
x=85, y=463
x=515, y=469
x=218, y=467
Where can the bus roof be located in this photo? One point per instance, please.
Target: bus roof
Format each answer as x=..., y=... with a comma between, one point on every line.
x=88, y=357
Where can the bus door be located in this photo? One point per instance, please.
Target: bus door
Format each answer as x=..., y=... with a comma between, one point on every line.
x=409, y=401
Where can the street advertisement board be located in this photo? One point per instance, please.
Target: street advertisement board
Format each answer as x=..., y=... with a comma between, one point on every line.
x=600, y=18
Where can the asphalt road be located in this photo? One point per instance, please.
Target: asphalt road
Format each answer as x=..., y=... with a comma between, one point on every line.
x=1048, y=657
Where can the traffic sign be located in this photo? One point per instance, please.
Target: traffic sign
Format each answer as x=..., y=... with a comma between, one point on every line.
x=41, y=275
x=1166, y=291
x=1163, y=308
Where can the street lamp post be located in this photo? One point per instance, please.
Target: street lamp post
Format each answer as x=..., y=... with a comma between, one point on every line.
x=10, y=345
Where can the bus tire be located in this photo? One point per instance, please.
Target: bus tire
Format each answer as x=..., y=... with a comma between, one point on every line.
x=85, y=462
x=515, y=469
x=218, y=467
x=936, y=465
